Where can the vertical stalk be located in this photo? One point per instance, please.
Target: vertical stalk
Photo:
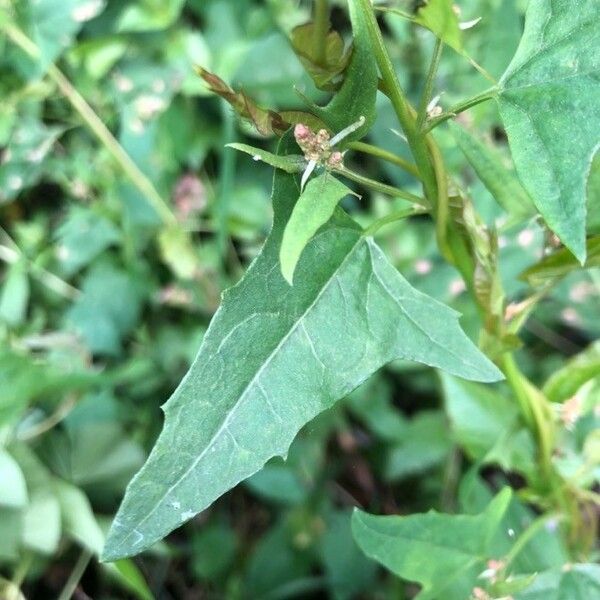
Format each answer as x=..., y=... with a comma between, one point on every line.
x=321, y=30
x=226, y=177
x=428, y=88
x=402, y=108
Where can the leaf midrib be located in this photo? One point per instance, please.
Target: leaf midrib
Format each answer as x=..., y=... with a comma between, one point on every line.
x=223, y=427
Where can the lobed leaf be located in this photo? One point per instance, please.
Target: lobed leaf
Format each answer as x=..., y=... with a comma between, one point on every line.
x=548, y=103
x=443, y=553
x=273, y=358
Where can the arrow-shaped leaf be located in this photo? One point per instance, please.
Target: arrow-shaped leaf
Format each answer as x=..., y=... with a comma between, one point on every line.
x=444, y=553
x=274, y=357
x=549, y=104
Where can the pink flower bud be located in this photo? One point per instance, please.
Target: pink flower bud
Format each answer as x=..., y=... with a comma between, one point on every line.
x=301, y=132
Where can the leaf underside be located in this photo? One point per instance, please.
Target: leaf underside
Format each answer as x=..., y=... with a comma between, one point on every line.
x=274, y=357
x=549, y=104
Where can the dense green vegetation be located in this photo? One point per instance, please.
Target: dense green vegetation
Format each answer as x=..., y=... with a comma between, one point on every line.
x=398, y=395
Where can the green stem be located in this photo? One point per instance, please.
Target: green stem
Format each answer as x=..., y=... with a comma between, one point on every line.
x=402, y=108
x=75, y=576
x=321, y=30
x=381, y=187
x=97, y=127
x=392, y=218
x=226, y=181
x=429, y=82
x=460, y=107
x=385, y=155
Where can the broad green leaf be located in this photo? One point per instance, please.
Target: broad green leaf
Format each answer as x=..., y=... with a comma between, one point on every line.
x=313, y=209
x=13, y=490
x=443, y=553
x=570, y=582
x=564, y=383
x=273, y=358
x=559, y=264
x=356, y=97
x=548, y=103
x=501, y=182
x=440, y=18
x=290, y=164
x=324, y=72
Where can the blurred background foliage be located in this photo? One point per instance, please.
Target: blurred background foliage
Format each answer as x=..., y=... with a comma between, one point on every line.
x=123, y=219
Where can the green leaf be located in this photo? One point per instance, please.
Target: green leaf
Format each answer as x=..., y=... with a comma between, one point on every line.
x=349, y=571
x=439, y=17
x=41, y=523
x=130, y=577
x=82, y=237
x=273, y=358
x=548, y=103
x=356, y=97
x=77, y=516
x=501, y=181
x=177, y=251
x=13, y=493
x=150, y=15
x=313, y=209
x=206, y=563
x=323, y=72
x=52, y=25
x=443, y=553
x=559, y=264
x=487, y=426
x=570, y=582
x=23, y=163
x=294, y=163
x=108, y=308
x=564, y=383
x=10, y=533
x=278, y=483
x=14, y=296
x=425, y=444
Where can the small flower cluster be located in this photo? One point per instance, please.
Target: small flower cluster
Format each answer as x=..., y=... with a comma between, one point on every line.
x=316, y=147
